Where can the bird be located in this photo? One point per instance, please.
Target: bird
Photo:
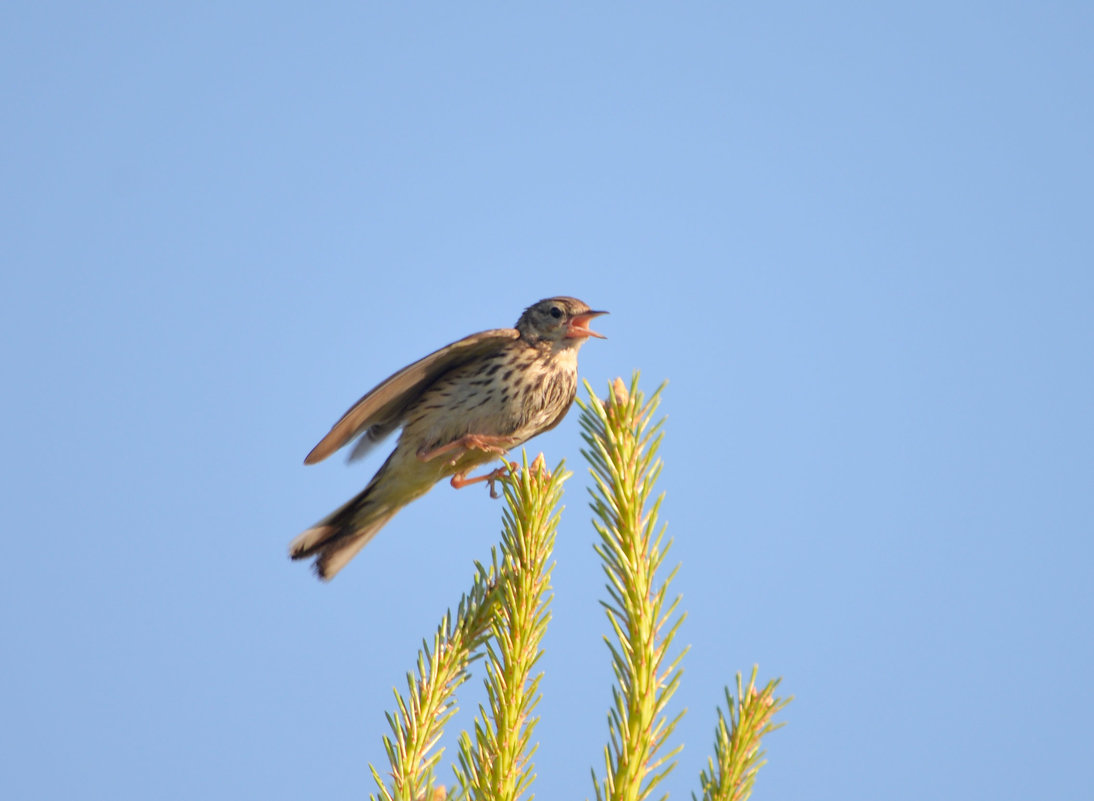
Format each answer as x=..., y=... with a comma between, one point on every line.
x=459, y=407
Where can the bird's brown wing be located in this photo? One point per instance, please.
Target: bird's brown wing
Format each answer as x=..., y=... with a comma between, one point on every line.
x=381, y=410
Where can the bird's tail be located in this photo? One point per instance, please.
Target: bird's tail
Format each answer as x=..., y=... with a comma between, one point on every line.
x=335, y=542
x=339, y=536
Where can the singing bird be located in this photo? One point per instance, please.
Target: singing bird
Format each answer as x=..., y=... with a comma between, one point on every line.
x=459, y=407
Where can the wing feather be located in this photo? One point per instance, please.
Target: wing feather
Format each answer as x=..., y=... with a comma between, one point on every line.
x=381, y=410
x=372, y=436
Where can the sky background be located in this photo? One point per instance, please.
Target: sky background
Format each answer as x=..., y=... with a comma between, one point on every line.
x=856, y=239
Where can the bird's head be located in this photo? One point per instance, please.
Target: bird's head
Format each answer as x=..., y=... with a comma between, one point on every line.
x=559, y=320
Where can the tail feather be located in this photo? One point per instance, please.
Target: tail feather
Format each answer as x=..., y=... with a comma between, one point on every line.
x=337, y=552
x=340, y=535
x=310, y=542
x=336, y=543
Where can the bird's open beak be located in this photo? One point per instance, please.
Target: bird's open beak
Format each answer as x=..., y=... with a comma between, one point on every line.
x=579, y=326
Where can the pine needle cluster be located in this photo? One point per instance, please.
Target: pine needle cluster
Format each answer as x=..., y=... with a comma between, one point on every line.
x=503, y=617
x=621, y=449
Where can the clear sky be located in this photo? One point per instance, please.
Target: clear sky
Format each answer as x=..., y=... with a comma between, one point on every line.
x=856, y=238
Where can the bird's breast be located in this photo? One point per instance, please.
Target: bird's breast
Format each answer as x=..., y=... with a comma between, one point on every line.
x=515, y=393
x=545, y=390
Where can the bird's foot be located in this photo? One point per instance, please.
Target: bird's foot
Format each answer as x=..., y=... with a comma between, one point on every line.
x=460, y=480
x=468, y=442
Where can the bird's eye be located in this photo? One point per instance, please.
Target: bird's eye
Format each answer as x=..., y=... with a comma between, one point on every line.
x=556, y=312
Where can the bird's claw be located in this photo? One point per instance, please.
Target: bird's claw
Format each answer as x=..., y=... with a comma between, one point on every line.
x=459, y=481
x=502, y=472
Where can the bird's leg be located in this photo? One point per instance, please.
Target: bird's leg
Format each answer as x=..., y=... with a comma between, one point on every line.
x=460, y=480
x=478, y=442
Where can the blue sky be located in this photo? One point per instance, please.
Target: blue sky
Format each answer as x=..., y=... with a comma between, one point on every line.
x=855, y=238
